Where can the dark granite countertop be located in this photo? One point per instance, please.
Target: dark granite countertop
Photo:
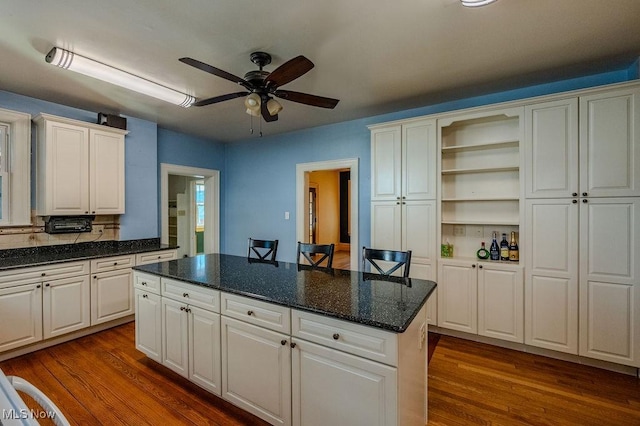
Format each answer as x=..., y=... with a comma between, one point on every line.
x=44, y=255
x=388, y=303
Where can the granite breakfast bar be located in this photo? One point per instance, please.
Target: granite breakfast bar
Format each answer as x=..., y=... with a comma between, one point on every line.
x=290, y=345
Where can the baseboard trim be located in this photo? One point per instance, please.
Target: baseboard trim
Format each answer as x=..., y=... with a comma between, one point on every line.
x=67, y=337
x=618, y=368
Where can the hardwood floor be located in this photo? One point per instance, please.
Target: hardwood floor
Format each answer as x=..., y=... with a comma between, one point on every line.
x=342, y=259
x=102, y=379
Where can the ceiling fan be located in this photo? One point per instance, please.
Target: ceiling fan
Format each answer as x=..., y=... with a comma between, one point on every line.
x=262, y=85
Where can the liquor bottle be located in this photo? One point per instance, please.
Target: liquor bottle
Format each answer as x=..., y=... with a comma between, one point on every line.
x=482, y=253
x=504, y=248
x=514, y=253
x=494, y=250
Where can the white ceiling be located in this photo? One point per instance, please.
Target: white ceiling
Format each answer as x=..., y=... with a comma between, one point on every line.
x=375, y=56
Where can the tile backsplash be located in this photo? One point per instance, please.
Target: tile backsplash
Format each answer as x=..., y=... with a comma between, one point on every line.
x=105, y=228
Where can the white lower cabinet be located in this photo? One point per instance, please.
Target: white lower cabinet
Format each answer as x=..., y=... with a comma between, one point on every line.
x=331, y=387
x=482, y=298
x=65, y=305
x=191, y=343
x=256, y=370
x=20, y=315
x=149, y=324
x=111, y=295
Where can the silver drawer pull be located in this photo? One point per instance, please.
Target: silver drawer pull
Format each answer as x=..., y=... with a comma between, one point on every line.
x=143, y=283
x=185, y=294
x=145, y=296
x=336, y=336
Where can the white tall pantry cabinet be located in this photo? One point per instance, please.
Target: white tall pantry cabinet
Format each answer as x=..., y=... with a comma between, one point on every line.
x=582, y=282
x=80, y=167
x=403, y=193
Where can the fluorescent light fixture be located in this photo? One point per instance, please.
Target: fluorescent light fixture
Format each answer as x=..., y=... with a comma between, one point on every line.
x=476, y=3
x=71, y=61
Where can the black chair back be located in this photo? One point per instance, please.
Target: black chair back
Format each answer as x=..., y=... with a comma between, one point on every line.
x=400, y=258
x=308, y=250
x=263, y=249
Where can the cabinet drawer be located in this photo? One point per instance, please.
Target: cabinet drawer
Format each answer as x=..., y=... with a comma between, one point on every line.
x=147, y=282
x=367, y=342
x=155, y=256
x=263, y=314
x=40, y=273
x=192, y=294
x=112, y=263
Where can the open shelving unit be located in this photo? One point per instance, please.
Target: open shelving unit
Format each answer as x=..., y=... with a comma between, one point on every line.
x=480, y=183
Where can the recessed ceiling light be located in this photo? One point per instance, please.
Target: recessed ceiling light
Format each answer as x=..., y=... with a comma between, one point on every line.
x=476, y=3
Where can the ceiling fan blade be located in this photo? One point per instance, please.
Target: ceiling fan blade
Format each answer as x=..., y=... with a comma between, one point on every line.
x=305, y=98
x=216, y=71
x=265, y=113
x=221, y=98
x=289, y=71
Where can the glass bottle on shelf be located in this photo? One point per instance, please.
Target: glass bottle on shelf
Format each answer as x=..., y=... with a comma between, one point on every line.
x=482, y=253
x=504, y=248
x=494, y=250
x=514, y=253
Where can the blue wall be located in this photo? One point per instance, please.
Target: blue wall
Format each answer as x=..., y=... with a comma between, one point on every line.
x=185, y=150
x=260, y=172
x=141, y=202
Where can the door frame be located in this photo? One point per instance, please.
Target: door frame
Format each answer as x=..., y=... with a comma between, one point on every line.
x=211, y=205
x=302, y=200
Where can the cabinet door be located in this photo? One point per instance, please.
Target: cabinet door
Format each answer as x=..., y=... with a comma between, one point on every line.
x=111, y=295
x=334, y=388
x=20, y=316
x=67, y=170
x=551, y=282
x=175, y=336
x=500, y=301
x=386, y=225
x=149, y=324
x=458, y=295
x=418, y=231
x=107, y=172
x=419, y=160
x=386, y=163
x=65, y=306
x=551, y=149
x=610, y=144
x=610, y=280
x=204, y=349
x=256, y=370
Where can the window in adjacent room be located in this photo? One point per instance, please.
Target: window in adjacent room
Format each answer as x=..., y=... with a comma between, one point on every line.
x=15, y=168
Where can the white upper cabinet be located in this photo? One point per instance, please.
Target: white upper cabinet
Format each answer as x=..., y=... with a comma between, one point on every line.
x=586, y=146
x=403, y=159
x=80, y=168
x=551, y=149
x=610, y=144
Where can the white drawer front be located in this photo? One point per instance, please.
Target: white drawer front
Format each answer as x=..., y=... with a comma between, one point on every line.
x=191, y=294
x=40, y=273
x=156, y=256
x=106, y=264
x=263, y=314
x=147, y=282
x=367, y=342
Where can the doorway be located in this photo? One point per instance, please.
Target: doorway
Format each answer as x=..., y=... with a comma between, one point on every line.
x=327, y=229
x=190, y=209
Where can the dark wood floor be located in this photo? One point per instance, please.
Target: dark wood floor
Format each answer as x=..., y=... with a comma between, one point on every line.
x=102, y=379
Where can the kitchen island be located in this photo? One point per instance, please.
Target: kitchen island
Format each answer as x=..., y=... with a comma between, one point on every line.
x=290, y=344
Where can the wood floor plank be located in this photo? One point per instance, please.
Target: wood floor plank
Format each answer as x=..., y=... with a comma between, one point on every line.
x=102, y=379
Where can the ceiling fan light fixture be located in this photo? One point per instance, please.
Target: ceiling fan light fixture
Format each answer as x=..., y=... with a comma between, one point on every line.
x=253, y=112
x=274, y=107
x=68, y=60
x=476, y=3
x=252, y=102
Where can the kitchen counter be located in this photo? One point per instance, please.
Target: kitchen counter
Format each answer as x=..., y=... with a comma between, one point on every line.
x=45, y=255
x=388, y=303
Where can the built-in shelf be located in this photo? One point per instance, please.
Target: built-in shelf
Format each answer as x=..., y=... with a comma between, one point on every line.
x=480, y=146
x=457, y=200
x=475, y=259
x=480, y=170
x=482, y=222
